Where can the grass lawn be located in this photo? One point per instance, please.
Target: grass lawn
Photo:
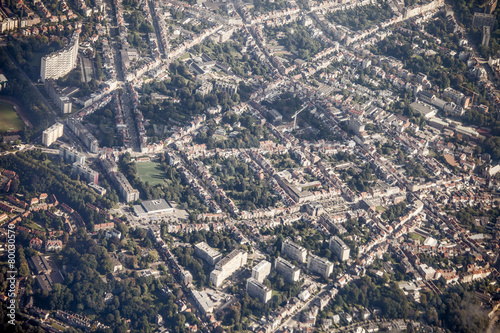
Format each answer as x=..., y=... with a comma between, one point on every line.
x=33, y=225
x=150, y=172
x=415, y=236
x=9, y=120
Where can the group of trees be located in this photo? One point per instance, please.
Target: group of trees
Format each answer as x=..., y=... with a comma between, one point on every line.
x=263, y=6
x=23, y=92
x=393, y=212
x=249, y=135
x=299, y=41
x=286, y=104
x=415, y=169
x=181, y=87
x=370, y=294
x=134, y=305
x=398, y=46
x=360, y=180
x=103, y=119
x=230, y=53
x=241, y=184
x=361, y=18
x=137, y=22
x=37, y=177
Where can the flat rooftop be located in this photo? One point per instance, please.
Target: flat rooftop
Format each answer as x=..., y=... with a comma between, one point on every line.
x=156, y=206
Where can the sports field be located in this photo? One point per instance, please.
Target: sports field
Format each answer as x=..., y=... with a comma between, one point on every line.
x=9, y=120
x=150, y=172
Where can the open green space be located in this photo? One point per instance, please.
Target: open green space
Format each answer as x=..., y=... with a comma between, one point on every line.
x=150, y=172
x=9, y=119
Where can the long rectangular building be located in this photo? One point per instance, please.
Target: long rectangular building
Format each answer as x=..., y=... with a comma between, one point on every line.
x=71, y=155
x=207, y=253
x=227, y=266
x=60, y=63
x=126, y=190
x=290, y=272
x=320, y=265
x=90, y=175
x=203, y=302
x=51, y=134
x=294, y=251
x=340, y=249
x=258, y=290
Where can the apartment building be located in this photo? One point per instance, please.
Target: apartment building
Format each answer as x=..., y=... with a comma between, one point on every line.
x=89, y=175
x=294, y=251
x=340, y=249
x=207, y=253
x=126, y=191
x=227, y=266
x=258, y=290
x=51, y=134
x=261, y=270
x=60, y=63
x=290, y=272
x=320, y=265
x=71, y=155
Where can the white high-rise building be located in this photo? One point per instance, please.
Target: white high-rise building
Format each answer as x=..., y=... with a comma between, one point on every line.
x=340, y=249
x=51, y=134
x=320, y=265
x=289, y=271
x=259, y=290
x=207, y=253
x=227, y=266
x=294, y=251
x=261, y=270
x=61, y=62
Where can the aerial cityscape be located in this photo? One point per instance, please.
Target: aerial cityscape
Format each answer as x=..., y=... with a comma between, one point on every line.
x=250, y=166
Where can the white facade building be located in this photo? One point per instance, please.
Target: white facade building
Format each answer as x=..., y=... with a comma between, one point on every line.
x=51, y=134
x=261, y=270
x=61, y=62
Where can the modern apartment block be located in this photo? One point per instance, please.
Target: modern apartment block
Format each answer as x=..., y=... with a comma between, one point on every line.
x=261, y=270
x=258, y=290
x=109, y=166
x=90, y=176
x=227, y=266
x=290, y=272
x=126, y=191
x=51, y=134
x=340, y=249
x=71, y=155
x=203, y=302
x=320, y=265
x=83, y=133
x=207, y=253
x=294, y=251
x=61, y=62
